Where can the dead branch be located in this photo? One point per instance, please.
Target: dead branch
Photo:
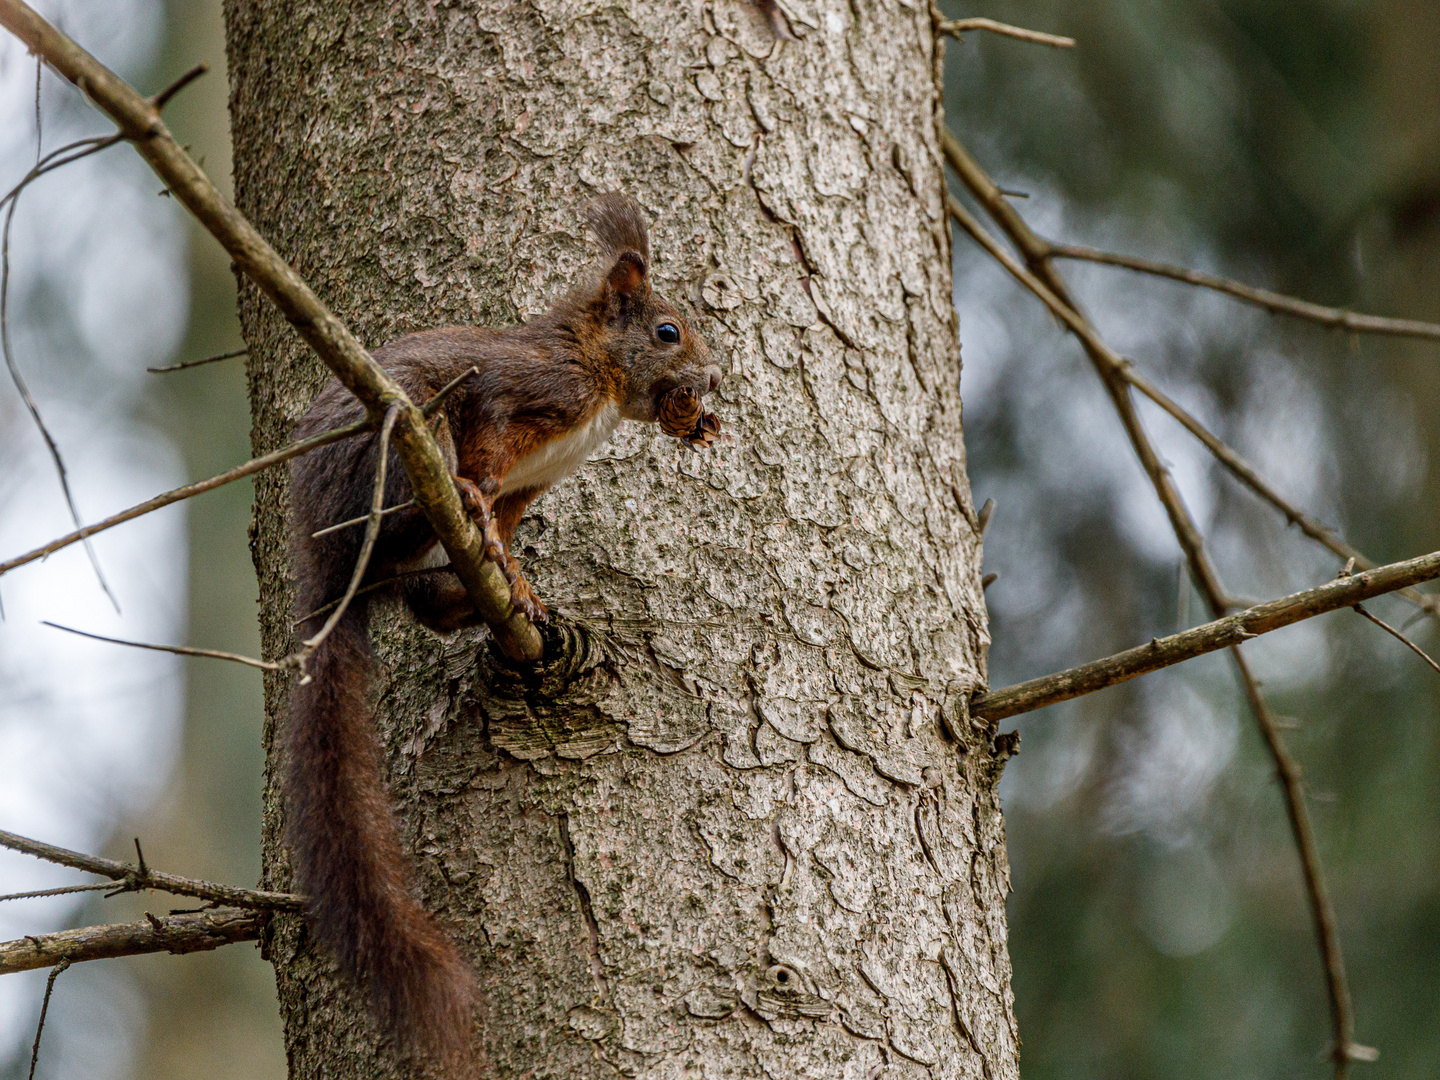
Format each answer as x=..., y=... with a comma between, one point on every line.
x=177, y=934
x=372, y=532
x=60, y=157
x=55, y=973
x=168, y=498
x=406, y=505
x=177, y=650
x=139, y=121
x=1242, y=471
x=1273, y=302
x=198, y=363
x=64, y=890
x=404, y=575
x=136, y=878
x=1188, y=644
x=1399, y=636
x=1111, y=368
x=960, y=27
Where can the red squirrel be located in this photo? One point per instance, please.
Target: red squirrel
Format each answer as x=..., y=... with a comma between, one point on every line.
x=545, y=395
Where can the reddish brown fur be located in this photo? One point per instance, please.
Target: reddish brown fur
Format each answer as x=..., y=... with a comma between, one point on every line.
x=597, y=347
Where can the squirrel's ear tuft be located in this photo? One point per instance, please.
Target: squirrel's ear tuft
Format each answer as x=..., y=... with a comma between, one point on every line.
x=620, y=224
x=627, y=277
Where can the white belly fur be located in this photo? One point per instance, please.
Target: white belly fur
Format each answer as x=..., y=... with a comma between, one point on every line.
x=560, y=457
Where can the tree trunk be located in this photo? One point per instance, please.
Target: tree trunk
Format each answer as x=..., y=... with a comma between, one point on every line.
x=740, y=825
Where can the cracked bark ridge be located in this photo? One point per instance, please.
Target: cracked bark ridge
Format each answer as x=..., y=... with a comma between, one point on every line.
x=739, y=823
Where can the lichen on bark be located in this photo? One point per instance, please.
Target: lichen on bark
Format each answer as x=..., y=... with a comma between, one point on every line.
x=741, y=825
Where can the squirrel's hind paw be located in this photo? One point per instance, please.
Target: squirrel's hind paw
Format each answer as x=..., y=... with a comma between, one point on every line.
x=524, y=599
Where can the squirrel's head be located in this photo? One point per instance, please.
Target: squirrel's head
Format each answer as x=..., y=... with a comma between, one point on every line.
x=654, y=347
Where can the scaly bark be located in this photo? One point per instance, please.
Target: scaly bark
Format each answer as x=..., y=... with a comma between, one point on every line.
x=740, y=823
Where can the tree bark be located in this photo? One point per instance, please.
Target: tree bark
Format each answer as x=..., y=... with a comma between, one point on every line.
x=739, y=823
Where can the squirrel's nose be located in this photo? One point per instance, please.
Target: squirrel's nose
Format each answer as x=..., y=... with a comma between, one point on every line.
x=714, y=374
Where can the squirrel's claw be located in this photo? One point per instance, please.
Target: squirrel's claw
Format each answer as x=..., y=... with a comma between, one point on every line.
x=522, y=595
x=493, y=548
x=473, y=501
x=477, y=504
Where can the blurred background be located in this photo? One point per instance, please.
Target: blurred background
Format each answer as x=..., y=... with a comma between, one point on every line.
x=1158, y=924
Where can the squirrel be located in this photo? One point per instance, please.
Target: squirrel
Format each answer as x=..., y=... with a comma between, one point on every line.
x=544, y=395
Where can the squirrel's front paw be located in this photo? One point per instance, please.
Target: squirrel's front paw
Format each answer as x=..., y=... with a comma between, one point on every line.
x=473, y=501
x=491, y=547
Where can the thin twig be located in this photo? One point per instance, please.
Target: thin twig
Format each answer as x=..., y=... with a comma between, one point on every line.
x=406, y=505
x=323, y=608
x=1220, y=634
x=44, y=1009
x=1276, y=303
x=161, y=99
x=963, y=26
x=21, y=387
x=983, y=518
x=1322, y=911
x=1309, y=525
x=176, y=934
x=39, y=122
x=179, y=650
x=1399, y=636
x=44, y=164
x=136, y=878
x=197, y=363
x=1040, y=276
x=96, y=886
x=372, y=532
x=331, y=339
x=428, y=409
x=168, y=498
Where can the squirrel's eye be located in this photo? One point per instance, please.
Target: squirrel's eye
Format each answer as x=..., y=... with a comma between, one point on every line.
x=668, y=332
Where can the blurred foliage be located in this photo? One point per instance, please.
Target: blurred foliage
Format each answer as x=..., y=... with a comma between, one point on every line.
x=213, y=1014
x=1158, y=923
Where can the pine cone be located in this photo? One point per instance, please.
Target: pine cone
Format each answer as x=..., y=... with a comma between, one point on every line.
x=682, y=415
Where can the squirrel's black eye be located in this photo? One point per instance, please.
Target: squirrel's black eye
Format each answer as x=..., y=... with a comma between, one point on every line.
x=668, y=332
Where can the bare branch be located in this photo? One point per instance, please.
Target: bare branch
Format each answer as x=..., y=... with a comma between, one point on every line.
x=1322, y=912
x=178, y=650
x=21, y=387
x=1220, y=634
x=55, y=973
x=1040, y=276
x=177, y=934
x=403, y=575
x=337, y=347
x=406, y=505
x=983, y=518
x=372, y=532
x=428, y=409
x=1242, y=471
x=963, y=26
x=97, y=886
x=197, y=363
x=161, y=99
x=1399, y=636
x=1276, y=303
x=135, y=878
x=254, y=465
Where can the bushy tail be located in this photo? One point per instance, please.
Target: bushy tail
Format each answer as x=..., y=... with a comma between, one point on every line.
x=349, y=863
